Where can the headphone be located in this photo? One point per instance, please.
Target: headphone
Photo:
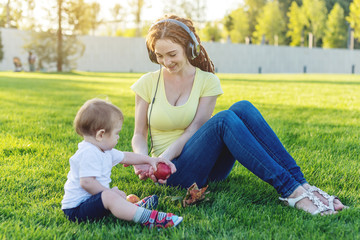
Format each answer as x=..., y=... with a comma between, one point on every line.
x=193, y=47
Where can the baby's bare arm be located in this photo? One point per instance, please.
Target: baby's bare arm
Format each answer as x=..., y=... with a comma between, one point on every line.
x=91, y=185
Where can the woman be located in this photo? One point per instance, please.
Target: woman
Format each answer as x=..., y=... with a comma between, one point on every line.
x=177, y=102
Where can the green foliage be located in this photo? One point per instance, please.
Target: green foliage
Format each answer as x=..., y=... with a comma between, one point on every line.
x=344, y=4
x=132, y=32
x=193, y=9
x=129, y=32
x=228, y=23
x=211, y=32
x=81, y=16
x=316, y=14
x=297, y=22
x=286, y=4
x=354, y=17
x=271, y=24
x=136, y=9
x=44, y=45
x=94, y=12
x=15, y=13
x=237, y=23
x=336, y=32
x=253, y=9
x=317, y=117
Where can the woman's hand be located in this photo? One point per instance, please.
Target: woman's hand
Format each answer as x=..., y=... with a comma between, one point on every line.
x=145, y=171
x=154, y=166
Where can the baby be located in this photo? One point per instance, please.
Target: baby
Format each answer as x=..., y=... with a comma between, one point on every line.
x=88, y=195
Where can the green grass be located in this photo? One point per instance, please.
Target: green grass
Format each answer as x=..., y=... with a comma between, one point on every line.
x=317, y=117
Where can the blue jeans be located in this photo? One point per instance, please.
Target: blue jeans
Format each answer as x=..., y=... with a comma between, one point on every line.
x=239, y=133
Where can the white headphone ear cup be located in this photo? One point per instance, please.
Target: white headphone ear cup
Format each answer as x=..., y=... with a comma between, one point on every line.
x=191, y=51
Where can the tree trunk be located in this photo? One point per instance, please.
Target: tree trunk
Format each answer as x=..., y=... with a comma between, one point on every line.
x=59, y=38
x=8, y=14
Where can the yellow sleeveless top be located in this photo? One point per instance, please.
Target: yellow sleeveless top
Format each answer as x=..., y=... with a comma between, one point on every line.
x=168, y=122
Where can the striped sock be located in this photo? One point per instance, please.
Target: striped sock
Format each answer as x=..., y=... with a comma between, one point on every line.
x=150, y=202
x=142, y=215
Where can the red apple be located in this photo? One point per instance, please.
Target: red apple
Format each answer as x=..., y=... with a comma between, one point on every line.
x=163, y=171
x=132, y=198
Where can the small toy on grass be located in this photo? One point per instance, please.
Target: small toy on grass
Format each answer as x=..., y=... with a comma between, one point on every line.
x=133, y=198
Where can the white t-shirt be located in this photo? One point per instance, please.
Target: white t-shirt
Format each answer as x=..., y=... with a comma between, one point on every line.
x=88, y=161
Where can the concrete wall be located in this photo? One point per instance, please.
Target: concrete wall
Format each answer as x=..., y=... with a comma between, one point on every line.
x=116, y=54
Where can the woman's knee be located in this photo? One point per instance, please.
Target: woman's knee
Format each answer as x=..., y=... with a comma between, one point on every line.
x=224, y=115
x=242, y=105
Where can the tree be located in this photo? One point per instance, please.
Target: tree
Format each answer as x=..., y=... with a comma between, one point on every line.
x=62, y=46
x=296, y=24
x=286, y=4
x=59, y=50
x=117, y=12
x=94, y=12
x=344, y=4
x=239, y=25
x=192, y=9
x=1, y=48
x=77, y=14
x=11, y=14
x=211, y=32
x=285, y=8
x=316, y=14
x=252, y=9
x=271, y=24
x=228, y=22
x=354, y=17
x=45, y=46
x=136, y=7
x=199, y=11
x=336, y=30
x=29, y=22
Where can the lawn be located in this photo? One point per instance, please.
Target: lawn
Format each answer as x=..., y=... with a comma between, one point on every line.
x=317, y=117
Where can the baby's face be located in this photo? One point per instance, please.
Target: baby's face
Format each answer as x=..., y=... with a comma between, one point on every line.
x=111, y=138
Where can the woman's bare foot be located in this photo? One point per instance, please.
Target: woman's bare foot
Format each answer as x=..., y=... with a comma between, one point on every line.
x=338, y=206
x=308, y=205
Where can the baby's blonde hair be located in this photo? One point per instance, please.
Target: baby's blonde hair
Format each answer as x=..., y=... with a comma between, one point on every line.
x=96, y=114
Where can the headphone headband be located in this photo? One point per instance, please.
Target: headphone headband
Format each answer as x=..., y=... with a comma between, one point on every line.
x=193, y=49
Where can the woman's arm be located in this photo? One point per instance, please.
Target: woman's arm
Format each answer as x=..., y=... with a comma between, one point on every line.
x=203, y=114
x=139, y=140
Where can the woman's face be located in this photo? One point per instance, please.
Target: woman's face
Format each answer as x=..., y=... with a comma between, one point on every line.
x=171, y=55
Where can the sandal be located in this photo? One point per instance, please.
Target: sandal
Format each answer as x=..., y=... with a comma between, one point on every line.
x=329, y=198
x=321, y=207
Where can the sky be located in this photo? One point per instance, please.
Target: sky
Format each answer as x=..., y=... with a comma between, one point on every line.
x=216, y=9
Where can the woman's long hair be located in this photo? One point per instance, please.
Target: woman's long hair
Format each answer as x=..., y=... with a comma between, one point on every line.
x=180, y=36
